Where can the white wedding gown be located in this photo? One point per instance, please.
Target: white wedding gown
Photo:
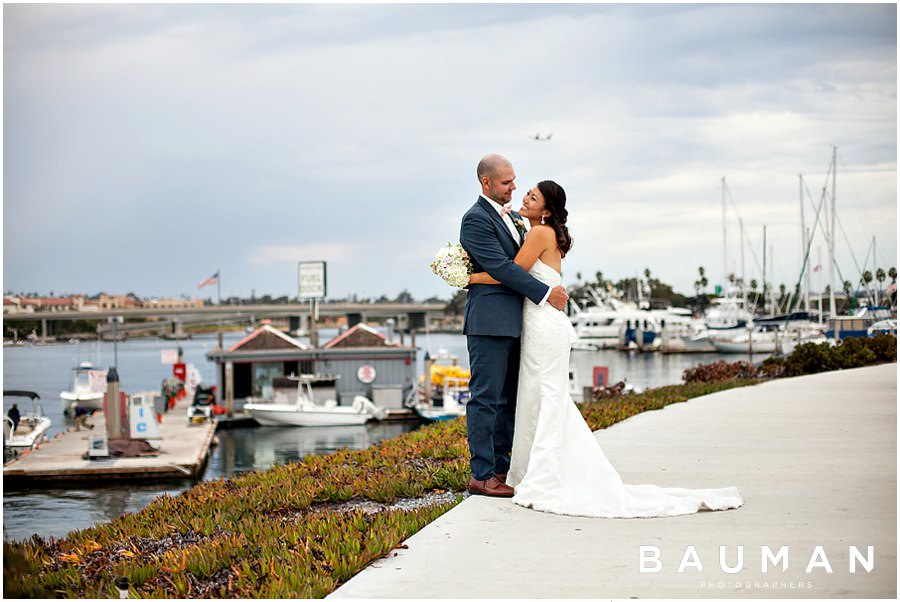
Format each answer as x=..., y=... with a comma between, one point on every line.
x=557, y=464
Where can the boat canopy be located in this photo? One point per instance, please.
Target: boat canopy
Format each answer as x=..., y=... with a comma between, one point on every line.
x=16, y=393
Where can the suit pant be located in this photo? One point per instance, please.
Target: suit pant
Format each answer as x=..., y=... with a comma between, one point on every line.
x=491, y=409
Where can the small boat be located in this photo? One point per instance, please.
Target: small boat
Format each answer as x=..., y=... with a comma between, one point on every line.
x=88, y=388
x=305, y=411
x=449, y=386
x=453, y=397
x=883, y=327
x=31, y=429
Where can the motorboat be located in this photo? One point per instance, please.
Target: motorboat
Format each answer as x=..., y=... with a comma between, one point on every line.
x=453, y=396
x=31, y=429
x=88, y=388
x=304, y=410
x=883, y=327
x=449, y=389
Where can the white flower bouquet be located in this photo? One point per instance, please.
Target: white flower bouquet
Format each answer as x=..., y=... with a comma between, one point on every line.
x=453, y=264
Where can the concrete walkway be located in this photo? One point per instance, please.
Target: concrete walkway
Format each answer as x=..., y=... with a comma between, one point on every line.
x=815, y=458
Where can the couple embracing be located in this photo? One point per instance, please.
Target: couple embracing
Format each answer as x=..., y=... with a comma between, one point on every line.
x=527, y=439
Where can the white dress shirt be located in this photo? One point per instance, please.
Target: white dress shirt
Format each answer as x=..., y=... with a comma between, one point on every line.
x=507, y=219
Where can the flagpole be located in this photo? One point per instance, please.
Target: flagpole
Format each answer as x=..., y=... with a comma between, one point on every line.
x=219, y=301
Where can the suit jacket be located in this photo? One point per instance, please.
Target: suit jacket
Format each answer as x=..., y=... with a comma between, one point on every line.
x=495, y=309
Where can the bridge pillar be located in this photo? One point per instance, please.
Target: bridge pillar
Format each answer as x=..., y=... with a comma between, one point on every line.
x=44, y=330
x=415, y=320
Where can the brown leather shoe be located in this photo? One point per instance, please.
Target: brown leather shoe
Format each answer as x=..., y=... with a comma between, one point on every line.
x=501, y=476
x=492, y=487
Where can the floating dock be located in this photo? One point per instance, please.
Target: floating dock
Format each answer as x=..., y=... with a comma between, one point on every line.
x=182, y=455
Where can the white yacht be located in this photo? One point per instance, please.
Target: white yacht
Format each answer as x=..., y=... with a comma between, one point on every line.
x=600, y=326
x=88, y=388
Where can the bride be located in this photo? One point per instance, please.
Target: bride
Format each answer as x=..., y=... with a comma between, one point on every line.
x=557, y=464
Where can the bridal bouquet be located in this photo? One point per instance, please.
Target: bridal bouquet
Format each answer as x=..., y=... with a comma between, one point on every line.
x=453, y=264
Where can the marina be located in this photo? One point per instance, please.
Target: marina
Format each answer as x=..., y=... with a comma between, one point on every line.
x=54, y=509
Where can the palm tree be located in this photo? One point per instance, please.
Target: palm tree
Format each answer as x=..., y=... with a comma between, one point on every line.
x=880, y=275
x=865, y=279
x=892, y=272
x=753, y=285
x=848, y=286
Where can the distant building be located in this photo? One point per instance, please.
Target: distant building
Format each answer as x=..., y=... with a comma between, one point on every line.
x=31, y=304
x=105, y=301
x=11, y=304
x=173, y=303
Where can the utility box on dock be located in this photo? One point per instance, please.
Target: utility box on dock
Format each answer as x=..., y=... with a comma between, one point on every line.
x=142, y=416
x=388, y=396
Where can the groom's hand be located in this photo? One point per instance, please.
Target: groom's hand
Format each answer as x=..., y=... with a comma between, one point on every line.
x=558, y=297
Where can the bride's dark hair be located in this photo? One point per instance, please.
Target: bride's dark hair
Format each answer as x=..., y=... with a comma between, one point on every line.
x=555, y=203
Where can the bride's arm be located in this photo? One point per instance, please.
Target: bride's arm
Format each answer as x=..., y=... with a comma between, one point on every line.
x=539, y=239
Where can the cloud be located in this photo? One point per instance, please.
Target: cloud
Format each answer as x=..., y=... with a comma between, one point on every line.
x=194, y=136
x=274, y=254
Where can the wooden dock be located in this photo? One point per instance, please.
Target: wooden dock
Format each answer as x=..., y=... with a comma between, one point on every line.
x=182, y=455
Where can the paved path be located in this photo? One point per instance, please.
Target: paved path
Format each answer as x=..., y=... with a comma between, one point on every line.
x=815, y=458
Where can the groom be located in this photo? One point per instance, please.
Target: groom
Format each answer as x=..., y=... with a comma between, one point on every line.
x=493, y=324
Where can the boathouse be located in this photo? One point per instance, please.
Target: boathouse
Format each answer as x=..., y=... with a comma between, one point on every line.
x=363, y=361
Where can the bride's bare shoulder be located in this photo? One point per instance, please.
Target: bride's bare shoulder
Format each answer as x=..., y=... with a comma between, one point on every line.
x=543, y=232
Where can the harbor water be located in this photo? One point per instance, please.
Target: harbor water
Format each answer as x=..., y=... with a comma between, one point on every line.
x=47, y=370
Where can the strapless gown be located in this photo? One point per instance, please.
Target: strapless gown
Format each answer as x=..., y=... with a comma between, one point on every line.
x=557, y=464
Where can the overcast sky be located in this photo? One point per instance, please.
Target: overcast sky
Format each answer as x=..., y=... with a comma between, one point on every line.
x=147, y=146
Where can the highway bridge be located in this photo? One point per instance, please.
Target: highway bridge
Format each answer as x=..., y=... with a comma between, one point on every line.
x=408, y=316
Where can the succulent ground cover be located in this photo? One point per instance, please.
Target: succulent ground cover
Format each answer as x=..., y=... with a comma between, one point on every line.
x=300, y=530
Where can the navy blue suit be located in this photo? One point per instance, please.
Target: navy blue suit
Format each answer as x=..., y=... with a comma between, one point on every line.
x=493, y=325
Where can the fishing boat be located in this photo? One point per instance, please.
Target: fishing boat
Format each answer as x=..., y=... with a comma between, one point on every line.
x=88, y=388
x=31, y=429
x=304, y=410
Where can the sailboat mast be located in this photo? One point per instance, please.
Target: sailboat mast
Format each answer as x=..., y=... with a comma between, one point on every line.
x=764, y=269
x=832, y=232
x=807, y=274
x=724, y=240
x=819, y=283
x=803, y=245
x=743, y=276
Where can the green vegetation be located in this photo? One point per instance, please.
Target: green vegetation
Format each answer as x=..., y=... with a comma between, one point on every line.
x=811, y=358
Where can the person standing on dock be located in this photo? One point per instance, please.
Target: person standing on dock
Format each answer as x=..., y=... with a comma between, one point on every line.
x=493, y=324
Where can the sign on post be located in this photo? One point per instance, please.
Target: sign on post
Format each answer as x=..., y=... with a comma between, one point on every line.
x=311, y=278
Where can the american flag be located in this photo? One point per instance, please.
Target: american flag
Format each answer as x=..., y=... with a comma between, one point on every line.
x=211, y=280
